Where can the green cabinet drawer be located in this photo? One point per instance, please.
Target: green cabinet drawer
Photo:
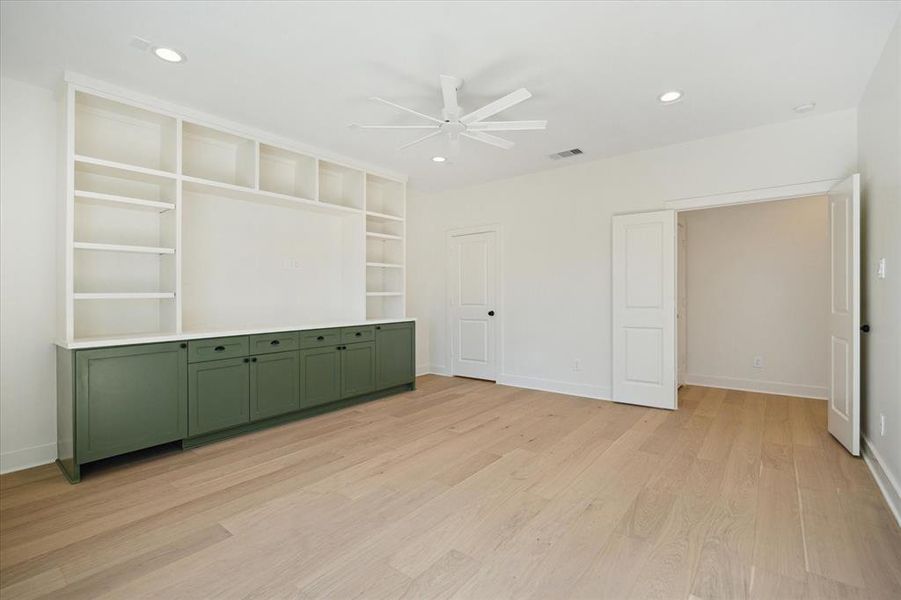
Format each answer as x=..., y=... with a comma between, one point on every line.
x=320, y=376
x=274, y=384
x=274, y=342
x=217, y=348
x=364, y=333
x=218, y=394
x=394, y=352
x=129, y=398
x=357, y=369
x=316, y=338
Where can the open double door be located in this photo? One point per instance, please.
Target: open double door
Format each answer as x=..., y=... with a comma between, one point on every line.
x=644, y=311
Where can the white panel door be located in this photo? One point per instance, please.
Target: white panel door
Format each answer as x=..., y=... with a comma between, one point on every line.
x=472, y=289
x=644, y=309
x=844, y=313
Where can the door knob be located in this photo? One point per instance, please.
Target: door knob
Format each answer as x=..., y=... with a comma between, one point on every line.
x=490, y=313
x=865, y=328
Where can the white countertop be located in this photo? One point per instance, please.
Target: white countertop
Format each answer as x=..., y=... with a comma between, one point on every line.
x=150, y=338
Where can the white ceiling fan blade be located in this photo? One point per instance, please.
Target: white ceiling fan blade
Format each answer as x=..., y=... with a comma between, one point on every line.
x=507, y=125
x=488, y=139
x=511, y=99
x=405, y=109
x=358, y=126
x=422, y=139
x=449, y=92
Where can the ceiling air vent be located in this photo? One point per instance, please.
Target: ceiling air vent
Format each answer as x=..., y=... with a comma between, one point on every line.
x=566, y=154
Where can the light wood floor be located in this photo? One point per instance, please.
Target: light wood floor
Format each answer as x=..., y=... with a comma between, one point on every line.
x=465, y=489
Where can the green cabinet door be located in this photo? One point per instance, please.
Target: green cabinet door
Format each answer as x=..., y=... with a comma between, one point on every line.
x=218, y=394
x=357, y=369
x=394, y=348
x=129, y=398
x=274, y=384
x=320, y=376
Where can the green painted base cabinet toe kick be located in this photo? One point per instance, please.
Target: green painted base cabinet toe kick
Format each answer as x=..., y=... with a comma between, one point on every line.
x=116, y=400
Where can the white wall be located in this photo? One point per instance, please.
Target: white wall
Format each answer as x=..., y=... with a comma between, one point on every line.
x=28, y=152
x=756, y=286
x=879, y=123
x=555, y=246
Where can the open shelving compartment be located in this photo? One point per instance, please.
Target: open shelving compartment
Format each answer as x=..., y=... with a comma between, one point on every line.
x=288, y=173
x=340, y=185
x=112, y=131
x=215, y=155
x=384, y=196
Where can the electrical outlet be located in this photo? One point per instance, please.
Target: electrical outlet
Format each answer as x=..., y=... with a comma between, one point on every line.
x=882, y=425
x=758, y=362
x=577, y=365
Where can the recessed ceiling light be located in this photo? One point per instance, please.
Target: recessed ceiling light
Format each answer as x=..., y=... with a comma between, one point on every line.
x=438, y=159
x=803, y=108
x=670, y=96
x=169, y=55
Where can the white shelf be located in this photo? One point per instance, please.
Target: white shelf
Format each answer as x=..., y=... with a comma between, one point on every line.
x=100, y=162
x=379, y=265
x=383, y=236
x=122, y=248
x=114, y=199
x=384, y=294
x=236, y=192
x=125, y=296
x=378, y=215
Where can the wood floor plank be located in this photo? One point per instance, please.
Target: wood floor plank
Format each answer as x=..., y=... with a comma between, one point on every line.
x=467, y=489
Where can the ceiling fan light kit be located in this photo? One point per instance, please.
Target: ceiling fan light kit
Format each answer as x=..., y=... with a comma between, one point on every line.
x=473, y=125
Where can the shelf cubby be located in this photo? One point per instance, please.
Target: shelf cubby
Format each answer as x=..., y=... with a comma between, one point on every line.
x=379, y=250
x=340, y=185
x=123, y=273
x=113, y=317
x=380, y=280
x=384, y=307
x=287, y=173
x=384, y=196
x=109, y=130
x=100, y=183
x=218, y=156
x=376, y=225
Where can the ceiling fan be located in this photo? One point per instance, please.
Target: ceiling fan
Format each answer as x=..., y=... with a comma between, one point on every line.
x=471, y=125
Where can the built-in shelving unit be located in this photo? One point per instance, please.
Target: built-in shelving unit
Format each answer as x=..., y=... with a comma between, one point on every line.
x=172, y=217
x=385, y=247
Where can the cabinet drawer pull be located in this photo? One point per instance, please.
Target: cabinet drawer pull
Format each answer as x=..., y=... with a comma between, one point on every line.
x=183, y=345
x=219, y=349
x=320, y=337
x=358, y=334
x=274, y=343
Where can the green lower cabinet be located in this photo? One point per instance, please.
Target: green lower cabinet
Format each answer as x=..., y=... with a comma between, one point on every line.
x=320, y=376
x=394, y=355
x=274, y=384
x=218, y=394
x=357, y=369
x=129, y=398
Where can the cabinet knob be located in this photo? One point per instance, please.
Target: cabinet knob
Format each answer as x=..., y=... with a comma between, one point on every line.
x=865, y=328
x=254, y=359
x=246, y=360
x=378, y=326
x=358, y=334
x=182, y=345
x=490, y=313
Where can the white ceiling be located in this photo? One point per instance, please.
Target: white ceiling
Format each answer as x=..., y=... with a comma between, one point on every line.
x=305, y=70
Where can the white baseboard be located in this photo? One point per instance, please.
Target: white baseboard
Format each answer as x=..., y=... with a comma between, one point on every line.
x=758, y=385
x=27, y=458
x=559, y=387
x=886, y=481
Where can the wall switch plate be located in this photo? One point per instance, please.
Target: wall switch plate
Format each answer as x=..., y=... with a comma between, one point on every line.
x=880, y=269
x=758, y=362
x=882, y=425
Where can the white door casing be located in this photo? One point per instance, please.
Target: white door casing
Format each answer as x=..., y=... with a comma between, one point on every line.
x=644, y=309
x=472, y=308
x=682, y=304
x=844, y=313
